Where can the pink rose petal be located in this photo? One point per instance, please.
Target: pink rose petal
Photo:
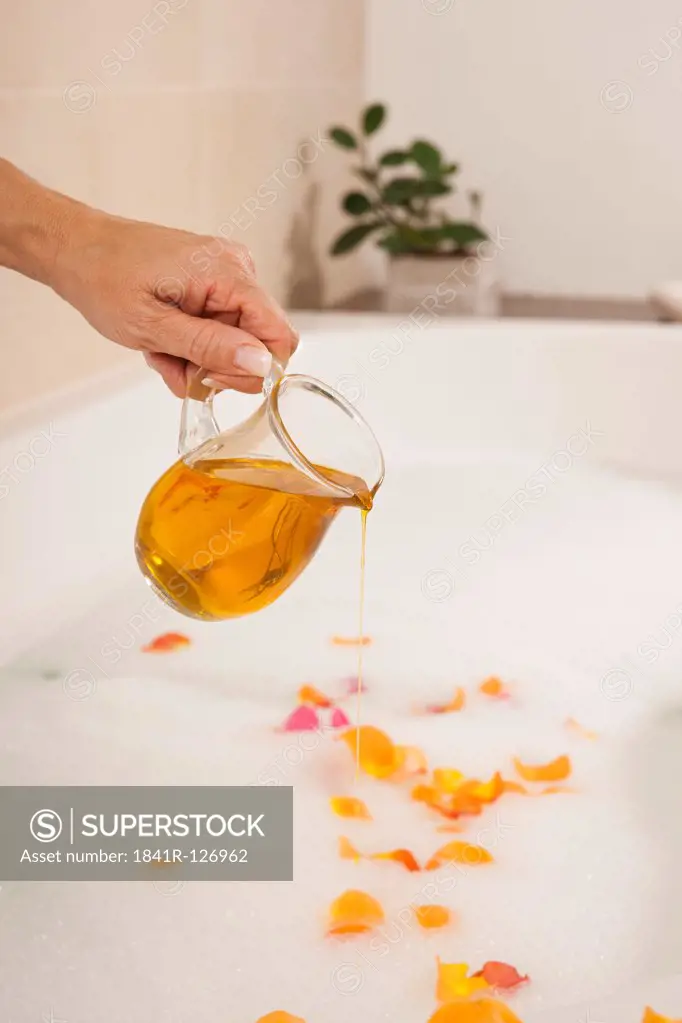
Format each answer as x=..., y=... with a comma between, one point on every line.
x=303, y=719
x=339, y=719
x=353, y=684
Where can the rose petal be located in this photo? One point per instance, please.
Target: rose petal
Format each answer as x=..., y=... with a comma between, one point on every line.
x=555, y=770
x=303, y=719
x=353, y=684
x=574, y=726
x=486, y=792
x=456, y=704
x=377, y=752
x=451, y=828
x=349, y=806
x=459, y=852
x=493, y=687
x=347, y=850
x=166, y=643
x=653, y=1017
x=403, y=856
x=501, y=975
x=514, y=786
x=461, y=804
x=309, y=694
x=279, y=1016
x=409, y=761
x=484, y=1010
x=351, y=640
x=454, y=982
x=431, y=917
x=339, y=719
x=354, y=912
x=446, y=779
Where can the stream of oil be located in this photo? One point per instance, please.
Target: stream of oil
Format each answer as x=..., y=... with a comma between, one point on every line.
x=361, y=638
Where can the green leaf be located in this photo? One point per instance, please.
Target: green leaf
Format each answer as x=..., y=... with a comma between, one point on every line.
x=366, y=173
x=432, y=187
x=426, y=156
x=351, y=238
x=393, y=243
x=449, y=168
x=463, y=234
x=400, y=191
x=343, y=138
x=393, y=158
x=408, y=239
x=373, y=118
x=356, y=203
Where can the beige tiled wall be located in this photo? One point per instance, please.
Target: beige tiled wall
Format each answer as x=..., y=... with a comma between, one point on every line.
x=182, y=112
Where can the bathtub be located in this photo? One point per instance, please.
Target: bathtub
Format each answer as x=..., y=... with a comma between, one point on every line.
x=527, y=528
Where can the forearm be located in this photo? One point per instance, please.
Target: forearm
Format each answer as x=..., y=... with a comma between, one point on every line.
x=35, y=224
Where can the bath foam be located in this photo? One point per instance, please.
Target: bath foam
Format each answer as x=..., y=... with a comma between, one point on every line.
x=574, y=602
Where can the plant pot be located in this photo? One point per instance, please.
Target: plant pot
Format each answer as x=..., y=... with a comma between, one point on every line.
x=443, y=285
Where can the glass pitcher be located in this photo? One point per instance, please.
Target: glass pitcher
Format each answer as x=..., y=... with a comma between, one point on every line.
x=230, y=525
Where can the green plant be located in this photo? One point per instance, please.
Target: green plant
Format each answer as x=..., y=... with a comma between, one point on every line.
x=401, y=210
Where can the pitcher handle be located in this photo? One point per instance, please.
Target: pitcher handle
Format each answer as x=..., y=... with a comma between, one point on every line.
x=197, y=420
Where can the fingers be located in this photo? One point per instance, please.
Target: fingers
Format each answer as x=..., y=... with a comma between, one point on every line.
x=175, y=372
x=259, y=313
x=229, y=356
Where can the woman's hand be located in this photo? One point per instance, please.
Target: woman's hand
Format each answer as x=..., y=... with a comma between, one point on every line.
x=184, y=300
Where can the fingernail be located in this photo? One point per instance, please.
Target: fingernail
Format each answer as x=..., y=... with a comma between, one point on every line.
x=252, y=360
x=210, y=382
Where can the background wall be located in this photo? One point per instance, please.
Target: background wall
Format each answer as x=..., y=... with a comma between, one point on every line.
x=181, y=112
x=566, y=115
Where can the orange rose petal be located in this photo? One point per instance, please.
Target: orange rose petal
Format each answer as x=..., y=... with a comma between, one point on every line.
x=446, y=779
x=347, y=850
x=460, y=805
x=425, y=794
x=494, y=687
x=556, y=770
x=501, y=975
x=403, y=856
x=514, y=786
x=309, y=694
x=279, y=1016
x=574, y=726
x=409, y=760
x=484, y=1010
x=377, y=752
x=459, y=852
x=454, y=982
x=456, y=704
x=653, y=1017
x=431, y=917
x=166, y=643
x=354, y=912
x=489, y=791
x=349, y=806
x=351, y=640
x=450, y=828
